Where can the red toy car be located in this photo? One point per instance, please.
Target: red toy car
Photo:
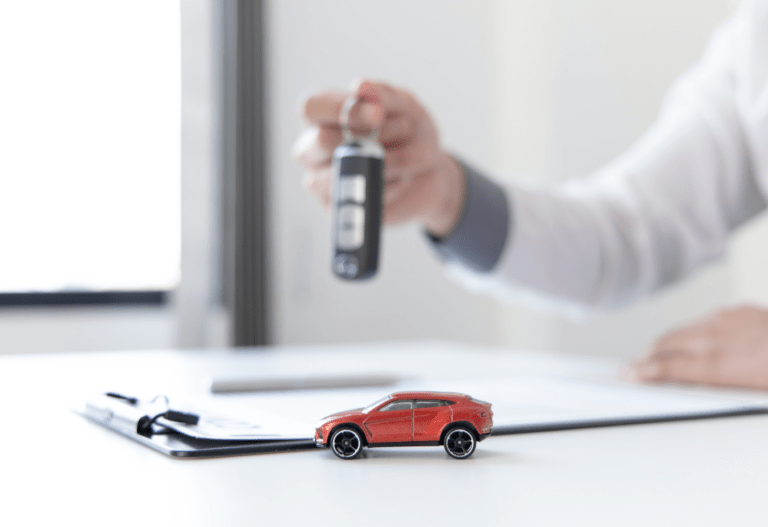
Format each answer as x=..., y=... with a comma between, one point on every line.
x=409, y=418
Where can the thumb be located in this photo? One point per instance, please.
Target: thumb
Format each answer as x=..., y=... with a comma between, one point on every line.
x=367, y=112
x=390, y=99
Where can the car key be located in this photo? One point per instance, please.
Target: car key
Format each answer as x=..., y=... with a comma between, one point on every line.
x=358, y=168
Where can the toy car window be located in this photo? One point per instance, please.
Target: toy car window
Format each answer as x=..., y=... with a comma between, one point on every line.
x=448, y=403
x=429, y=404
x=374, y=405
x=397, y=405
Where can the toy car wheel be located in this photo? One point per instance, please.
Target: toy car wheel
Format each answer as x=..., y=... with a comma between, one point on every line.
x=460, y=442
x=346, y=443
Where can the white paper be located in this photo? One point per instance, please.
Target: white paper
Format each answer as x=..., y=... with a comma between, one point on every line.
x=522, y=403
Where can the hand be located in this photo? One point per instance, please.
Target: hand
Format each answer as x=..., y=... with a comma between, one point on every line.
x=729, y=348
x=421, y=181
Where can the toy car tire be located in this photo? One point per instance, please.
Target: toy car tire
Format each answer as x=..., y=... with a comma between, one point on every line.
x=346, y=442
x=460, y=442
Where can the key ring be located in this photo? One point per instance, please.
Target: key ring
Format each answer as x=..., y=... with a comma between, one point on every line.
x=344, y=120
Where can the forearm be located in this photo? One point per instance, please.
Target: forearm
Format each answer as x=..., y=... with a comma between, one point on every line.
x=648, y=219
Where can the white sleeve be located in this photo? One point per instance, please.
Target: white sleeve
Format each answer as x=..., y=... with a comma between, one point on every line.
x=649, y=218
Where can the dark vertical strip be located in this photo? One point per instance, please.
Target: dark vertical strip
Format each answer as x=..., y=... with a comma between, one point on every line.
x=251, y=294
x=227, y=11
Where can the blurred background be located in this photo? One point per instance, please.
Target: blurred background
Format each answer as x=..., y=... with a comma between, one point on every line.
x=149, y=199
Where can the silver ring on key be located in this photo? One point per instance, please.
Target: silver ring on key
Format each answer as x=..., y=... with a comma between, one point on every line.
x=346, y=130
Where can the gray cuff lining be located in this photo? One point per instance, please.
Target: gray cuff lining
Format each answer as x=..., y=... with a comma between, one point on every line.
x=478, y=239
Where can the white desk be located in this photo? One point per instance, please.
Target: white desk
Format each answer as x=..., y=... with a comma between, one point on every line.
x=709, y=472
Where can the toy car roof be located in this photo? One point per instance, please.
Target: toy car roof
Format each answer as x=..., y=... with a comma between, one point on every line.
x=428, y=395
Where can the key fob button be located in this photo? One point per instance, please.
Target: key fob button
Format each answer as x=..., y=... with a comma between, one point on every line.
x=352, y=188
x=345, y=265
x=350, y=229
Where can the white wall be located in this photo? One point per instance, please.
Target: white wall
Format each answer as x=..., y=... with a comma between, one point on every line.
x=437, y=48
x=200, y=321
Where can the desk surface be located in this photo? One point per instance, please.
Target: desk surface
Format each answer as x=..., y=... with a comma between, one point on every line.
x=56, y=465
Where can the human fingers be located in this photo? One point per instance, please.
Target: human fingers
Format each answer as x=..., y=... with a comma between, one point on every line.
x=403, y=200
x=390, y=99
x=695, y=338
x=394, y=190
x=685, y=354
x=314, y=147
x=316, y=143
x=676, y=367
x=397, y=132
x=324, y=109
x=696, y=342
x=406, y=199
x=381, y=106
x=318, y=183
x=400, y=201
x=728, y=348
x=410, y=160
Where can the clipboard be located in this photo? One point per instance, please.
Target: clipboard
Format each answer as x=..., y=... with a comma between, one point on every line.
x=129, y=417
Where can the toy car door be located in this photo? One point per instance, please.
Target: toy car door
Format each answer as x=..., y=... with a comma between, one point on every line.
x=429, y=419
x=392, y=423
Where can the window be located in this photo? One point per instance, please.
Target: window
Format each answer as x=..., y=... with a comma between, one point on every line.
x=429, y=404
x=397, y=405
x=371, y=406
x=90, y=185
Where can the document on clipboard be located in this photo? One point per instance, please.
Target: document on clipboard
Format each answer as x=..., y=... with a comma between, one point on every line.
x=542, y=403
x=534, y=403
x=209, y=434
x=520, y=404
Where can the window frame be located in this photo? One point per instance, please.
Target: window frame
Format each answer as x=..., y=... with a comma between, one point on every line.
x=84, y=298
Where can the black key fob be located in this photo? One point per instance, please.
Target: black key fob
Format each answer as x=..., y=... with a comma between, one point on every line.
x=357, y=203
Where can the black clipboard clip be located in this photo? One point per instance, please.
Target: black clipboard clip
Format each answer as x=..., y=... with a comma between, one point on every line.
x=145, y=426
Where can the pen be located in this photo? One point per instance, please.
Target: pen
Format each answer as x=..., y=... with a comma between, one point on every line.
x=320, y=382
